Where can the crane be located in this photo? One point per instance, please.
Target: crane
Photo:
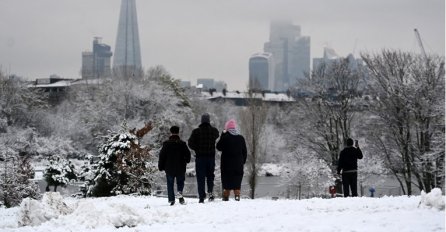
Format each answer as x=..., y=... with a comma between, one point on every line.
x=417, y=35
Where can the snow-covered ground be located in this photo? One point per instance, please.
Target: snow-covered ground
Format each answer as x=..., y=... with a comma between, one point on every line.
x=131, y=213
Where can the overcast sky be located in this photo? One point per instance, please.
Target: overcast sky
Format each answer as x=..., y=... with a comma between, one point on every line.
x=207, y=38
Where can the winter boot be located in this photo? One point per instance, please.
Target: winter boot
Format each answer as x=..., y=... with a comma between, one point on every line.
x=181, y=198
x=201, y=201
x=211, y=197
x=237, y=194
x=172, y=203
x=226, y=193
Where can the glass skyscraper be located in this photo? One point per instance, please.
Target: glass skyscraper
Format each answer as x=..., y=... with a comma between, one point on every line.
x=291, y=53
x=127, y=58
x=261, y=72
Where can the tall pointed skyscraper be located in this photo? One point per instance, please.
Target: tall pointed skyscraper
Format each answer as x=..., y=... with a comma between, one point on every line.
x=127, y=59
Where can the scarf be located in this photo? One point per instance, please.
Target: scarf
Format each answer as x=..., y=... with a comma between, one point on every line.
x=233, y=131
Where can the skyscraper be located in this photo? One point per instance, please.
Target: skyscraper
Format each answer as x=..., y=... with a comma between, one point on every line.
x=261, y=72
x=291, y=53
x=127, y=59
x=96, y=64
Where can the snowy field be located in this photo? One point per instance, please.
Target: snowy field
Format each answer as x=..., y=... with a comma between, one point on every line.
x=127, y=213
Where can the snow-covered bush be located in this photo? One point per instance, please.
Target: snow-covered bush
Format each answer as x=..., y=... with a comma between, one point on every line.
x=59, y=172
x=15, y=181
x=434, y=199
x=33, y=213
x=124, y=165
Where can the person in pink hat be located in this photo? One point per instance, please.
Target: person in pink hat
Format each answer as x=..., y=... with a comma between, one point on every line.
x=233, y=157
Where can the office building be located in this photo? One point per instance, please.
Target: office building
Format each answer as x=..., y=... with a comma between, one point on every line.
x=330, y=56
x=96, y=64
x=291, y=52
x=261, y=72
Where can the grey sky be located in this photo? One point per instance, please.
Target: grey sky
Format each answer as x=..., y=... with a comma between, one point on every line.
x=207, y=38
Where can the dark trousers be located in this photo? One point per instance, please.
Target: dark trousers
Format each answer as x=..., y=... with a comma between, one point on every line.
x=170, y=183
x=349, y=182
x=205, y=167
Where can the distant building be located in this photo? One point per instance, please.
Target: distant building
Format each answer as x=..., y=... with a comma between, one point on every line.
x=241, y=99
x=54, y=87
x=291, y=52
x=127, y=59
x=261, y=72
x=330, y=56
x=96, y=64
x=207, y=83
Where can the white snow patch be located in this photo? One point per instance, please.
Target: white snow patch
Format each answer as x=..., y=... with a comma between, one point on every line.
x=33, y=213
x=114, y=214
x=272, y=169
x=138, y=213
x=434, y=199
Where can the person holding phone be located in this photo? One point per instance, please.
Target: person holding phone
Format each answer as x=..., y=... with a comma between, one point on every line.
x=348, y=164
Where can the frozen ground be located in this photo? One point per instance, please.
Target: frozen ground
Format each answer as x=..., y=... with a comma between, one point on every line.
x=127, y=213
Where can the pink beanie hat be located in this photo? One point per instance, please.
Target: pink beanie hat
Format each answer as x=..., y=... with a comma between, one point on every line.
x=230, y=124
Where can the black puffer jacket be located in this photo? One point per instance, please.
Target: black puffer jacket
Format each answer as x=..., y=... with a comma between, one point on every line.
x=233, y=158
x=174, y=156
x=348, y=159
x=202, y=140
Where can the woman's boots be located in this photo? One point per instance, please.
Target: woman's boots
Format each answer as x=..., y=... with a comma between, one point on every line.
x=237, y=194
x=227, y=192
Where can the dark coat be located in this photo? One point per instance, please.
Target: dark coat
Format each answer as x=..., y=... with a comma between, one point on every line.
x=348, y=159
x=174, y=156
x=202, y=140
x=233, y=157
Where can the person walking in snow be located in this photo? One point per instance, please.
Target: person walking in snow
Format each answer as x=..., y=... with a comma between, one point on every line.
x=233, y=157
x=202, y=141
x=173, y=157
x=348, y=164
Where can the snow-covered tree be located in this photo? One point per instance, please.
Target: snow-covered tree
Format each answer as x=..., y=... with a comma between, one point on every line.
x=19, y=105
x=124, y=166
x=309, y=176
x=92, y=109
x=16, y=172
x=330, y=111
x=410, y=110
x=252, y=124
x=59, y=172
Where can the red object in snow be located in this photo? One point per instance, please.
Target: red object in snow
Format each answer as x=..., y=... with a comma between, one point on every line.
x=332, y=191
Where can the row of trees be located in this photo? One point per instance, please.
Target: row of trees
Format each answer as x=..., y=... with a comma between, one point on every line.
x=401, y=123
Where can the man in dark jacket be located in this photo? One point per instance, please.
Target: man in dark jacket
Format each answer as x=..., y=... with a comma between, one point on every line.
x=202, y=141
x=348, y=163
x=173, y=157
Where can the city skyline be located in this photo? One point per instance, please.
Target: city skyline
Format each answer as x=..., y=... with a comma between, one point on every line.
x=206, y=39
